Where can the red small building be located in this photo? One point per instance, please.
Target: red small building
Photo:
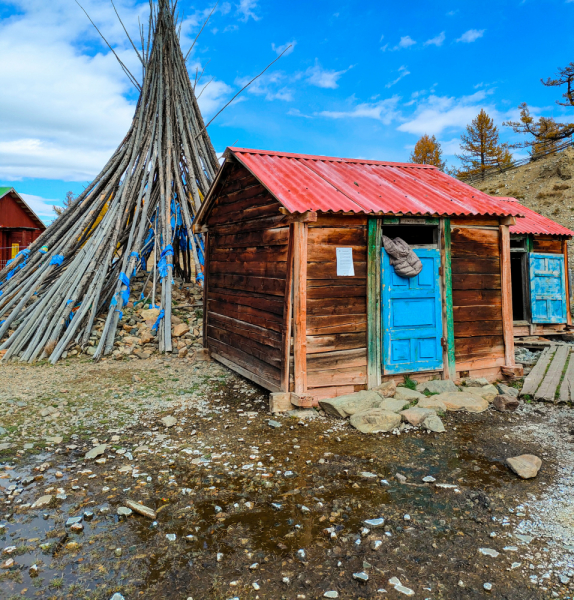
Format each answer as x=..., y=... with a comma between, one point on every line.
x=19, y=224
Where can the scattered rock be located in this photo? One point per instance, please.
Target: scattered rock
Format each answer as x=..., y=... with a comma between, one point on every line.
x=400, y=478
x=432, y=402
x=407, y=394
x=73, y=521
x=117, y=596
x=124, y=512
x=362, y=576
x=505, y=403
x=43, y=501
x=434, y=424
x=438, y=386
x=274, y=424
x=150, y=315
x=455, y=401
x=488, y=392
x=141, y=509
x=506, y=390
x=350, y=404
x=387, y=389
x=489, y=552
x=525, y=466
x=180, y=330
x=169, y=421
x=7, y=564
x=55, y=440
x=393, y=404
x=95, y=452
x=375, y=420
x=374, y=523
x=476, y=382
x=415, y=416
x=331, y=594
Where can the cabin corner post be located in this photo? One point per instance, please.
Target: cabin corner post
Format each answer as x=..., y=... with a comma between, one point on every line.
x=205, y=286
x=287, y=314
x=567, y=281
x=374, y=339
x=506, y=285
x=300, y=306
x=448, y=318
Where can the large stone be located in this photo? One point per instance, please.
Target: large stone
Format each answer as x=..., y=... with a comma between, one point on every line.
x=43, y=501
x=345, y=406
x=393, y=404
x=506, y=390
x=169, y=421
x=146, y=336
x=415, y=416
x=386, y=389
x=150, y=315
x=375, y=420
x=525, y=465
x=476, y=382
x=180, y=330
x=432, y=402
x=455, y=401
x=280, y=402
x=95, y=452
x=437, y=386
x=505, y=403
x=434, y=424
x=404, y=393
x=488, y=392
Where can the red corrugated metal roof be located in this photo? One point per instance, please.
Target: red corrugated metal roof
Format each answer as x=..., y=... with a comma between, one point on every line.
x=302, y=182
x=532, y=222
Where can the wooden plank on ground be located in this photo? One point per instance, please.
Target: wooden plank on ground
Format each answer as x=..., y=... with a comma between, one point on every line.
x=567, y=386
x=548, y=387
x=535, y=376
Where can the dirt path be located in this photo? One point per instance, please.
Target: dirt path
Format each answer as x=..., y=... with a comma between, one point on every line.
x=267, y=512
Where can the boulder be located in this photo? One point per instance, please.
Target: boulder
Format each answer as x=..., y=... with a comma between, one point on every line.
x=505, y=403
x=432, y=402
x=150, y=315
x=463, y=401
x=507, y=390
x=180, y=330
x=393, y=404
x=525, y=466
x=437, y=386
x=345, y=406
x=386, y=389
x=488, y=392
x=434, y=424
x=169, y=421
x=415, y=416
x=375, y=420
x=404, y=393
x=146, y=336
x=476, y=382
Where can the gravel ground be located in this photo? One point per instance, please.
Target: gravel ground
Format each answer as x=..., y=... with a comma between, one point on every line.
x=250, y=509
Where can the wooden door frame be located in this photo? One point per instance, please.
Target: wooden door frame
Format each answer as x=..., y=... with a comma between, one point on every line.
x=374, y=316
x=449, y=360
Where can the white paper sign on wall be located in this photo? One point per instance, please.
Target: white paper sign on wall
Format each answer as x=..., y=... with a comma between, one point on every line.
x=345, y=267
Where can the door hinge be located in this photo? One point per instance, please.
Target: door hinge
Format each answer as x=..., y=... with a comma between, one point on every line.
x=443, y=342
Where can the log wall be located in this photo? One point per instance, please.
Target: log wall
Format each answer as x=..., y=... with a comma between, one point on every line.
x=247, y=264
x=477, y=295
x=546, y=244
x=336, y=308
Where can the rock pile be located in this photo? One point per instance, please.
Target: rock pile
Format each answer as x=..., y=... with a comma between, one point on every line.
x=392, y=409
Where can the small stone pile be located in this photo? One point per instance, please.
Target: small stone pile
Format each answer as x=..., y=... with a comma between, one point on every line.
x=389, y=408
x=137, y=336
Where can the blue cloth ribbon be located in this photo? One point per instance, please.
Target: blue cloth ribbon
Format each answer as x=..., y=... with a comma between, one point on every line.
x=57, y=259
x=126, y=293
x=162, y=264
x=159, y=318
x=200, y=277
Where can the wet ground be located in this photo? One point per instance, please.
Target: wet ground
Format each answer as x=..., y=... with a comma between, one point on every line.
x=247, y=510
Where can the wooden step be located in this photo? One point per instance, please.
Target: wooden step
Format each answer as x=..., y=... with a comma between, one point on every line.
x=548, y=387
x=567, y=387
x=532, y=382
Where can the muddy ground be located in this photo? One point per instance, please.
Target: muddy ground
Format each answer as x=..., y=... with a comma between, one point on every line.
x=267, y=512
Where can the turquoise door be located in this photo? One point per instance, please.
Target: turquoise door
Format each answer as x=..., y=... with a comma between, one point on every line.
x=547, y=288
x=412, y=317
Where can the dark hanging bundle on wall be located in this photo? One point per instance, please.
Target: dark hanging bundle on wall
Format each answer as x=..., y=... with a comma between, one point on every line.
x=136, y=215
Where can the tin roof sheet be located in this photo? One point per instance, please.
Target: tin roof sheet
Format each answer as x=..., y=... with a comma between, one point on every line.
x=532, y=222
x=321, y=183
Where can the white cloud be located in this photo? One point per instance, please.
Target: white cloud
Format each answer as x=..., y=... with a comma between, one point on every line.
x=324, y=78
x=439, y=113
x=406, y=42
x=245, y=10
x=295, y=112
x=64, y=112
x=43, y=207
x=436, y=41
x=384, y=111
x=272, y=85
x=279, y=49
x=403, y=72
x=471, y=35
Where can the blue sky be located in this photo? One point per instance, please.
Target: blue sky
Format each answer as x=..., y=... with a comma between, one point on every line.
x=362, y=79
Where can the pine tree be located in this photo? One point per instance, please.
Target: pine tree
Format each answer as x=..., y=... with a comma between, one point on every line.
x=546, y=133
x=482, y=146
x=67, y=202
x=427, y=151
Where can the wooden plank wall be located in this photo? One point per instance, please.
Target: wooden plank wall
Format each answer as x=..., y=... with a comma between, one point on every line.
x=336, y=308
x=248, y=242
x=546, y=244
x=477, y=296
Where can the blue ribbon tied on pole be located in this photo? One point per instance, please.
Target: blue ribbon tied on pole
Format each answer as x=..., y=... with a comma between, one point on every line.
x=162, y=264
x=57, y=259
x=159, y=318
x=126, y=293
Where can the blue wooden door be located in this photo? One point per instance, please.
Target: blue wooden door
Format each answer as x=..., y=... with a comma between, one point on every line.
x=547, y=288
x=412, y=317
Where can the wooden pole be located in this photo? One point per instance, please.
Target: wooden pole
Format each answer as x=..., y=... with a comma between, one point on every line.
x=507, y=320
x=287, y=314
x=567, y=281
x=447, y=309
x=300, y=307
x=374, y=342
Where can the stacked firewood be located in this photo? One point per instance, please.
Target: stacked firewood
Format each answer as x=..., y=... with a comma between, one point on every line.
x=135, y=218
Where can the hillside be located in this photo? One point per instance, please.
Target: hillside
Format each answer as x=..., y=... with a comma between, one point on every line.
x=546, y=186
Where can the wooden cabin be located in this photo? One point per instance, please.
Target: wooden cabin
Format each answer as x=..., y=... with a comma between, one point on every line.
x=299, y=293
x=539, y=272
x=19, y=224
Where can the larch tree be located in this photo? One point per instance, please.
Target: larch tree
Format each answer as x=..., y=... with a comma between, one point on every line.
x=545, y=132
x=428, y=151
x=482, y=147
